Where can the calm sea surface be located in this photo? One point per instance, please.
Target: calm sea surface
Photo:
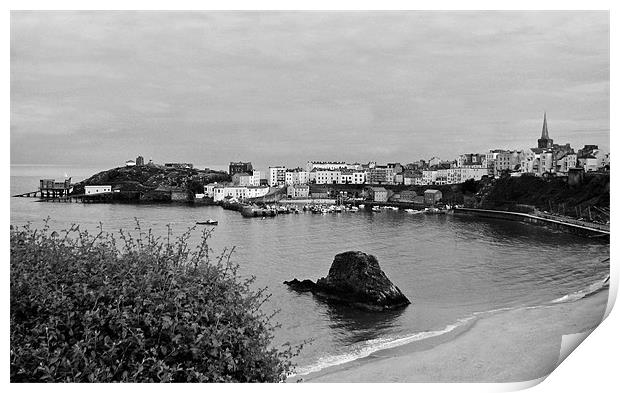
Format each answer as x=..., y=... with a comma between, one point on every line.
x=450, y=267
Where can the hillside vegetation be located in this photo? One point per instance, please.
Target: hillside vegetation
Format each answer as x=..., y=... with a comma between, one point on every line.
x=150, y=177
x=553, y=195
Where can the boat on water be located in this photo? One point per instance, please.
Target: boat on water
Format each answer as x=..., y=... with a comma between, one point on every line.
x=413, y=211
x=208, y=222
x=376, y=209
x=361, y=206
x=255, y=211
x=434, y=210
x=353, y=209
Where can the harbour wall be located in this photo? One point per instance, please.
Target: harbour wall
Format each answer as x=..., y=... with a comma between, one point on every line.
x=584, y=229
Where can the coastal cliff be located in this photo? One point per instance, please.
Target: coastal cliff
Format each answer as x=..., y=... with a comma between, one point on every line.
x=588, y=199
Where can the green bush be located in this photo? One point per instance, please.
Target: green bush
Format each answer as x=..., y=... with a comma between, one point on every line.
x=86, y=309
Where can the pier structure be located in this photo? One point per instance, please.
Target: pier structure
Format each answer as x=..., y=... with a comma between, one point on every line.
x=50, y=188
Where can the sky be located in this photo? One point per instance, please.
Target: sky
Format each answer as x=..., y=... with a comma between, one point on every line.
x=281, y=88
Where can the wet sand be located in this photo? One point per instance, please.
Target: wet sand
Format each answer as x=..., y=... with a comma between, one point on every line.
x=505, y=346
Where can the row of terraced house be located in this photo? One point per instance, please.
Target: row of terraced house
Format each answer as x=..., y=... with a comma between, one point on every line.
x=545, y=159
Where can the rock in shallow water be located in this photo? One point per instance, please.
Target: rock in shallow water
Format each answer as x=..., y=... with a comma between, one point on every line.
x=355, y=278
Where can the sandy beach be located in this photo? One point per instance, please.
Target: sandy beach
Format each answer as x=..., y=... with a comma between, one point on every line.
x=505, y=346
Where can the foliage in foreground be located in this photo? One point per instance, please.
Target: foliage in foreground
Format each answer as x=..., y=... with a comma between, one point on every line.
x=84, y=309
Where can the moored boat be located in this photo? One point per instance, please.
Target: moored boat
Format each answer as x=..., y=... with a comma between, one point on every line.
x=208, y=222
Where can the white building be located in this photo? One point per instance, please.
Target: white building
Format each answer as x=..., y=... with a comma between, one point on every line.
x=296, y=176
x=589, y=163
x=257, y=191
x=240, y=193
x=490, y=159
x=507, y=160
x=429, y=177
x=528, y=159
x=447, y=176
x=220, y=192
x=242, y=179
x=322, y=176
x=544, y=163
x=298, y=191
x=325, y=165
x=277, y=176
x=567, y=162
x=255, y=178
x=247, y=179
x=91, y=190
x=465, y=174
x=209, y=189
x=352, y=177
x=412, y=179
x=389, y=175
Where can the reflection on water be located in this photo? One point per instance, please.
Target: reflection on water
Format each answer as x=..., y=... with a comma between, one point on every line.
x=356, y=325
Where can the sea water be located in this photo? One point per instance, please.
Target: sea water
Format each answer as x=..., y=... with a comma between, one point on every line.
x=451, y=268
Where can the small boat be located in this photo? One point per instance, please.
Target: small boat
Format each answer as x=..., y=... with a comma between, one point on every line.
x=376, y=209
x=361, y=206
x=434, y=210
x=208, y=222
x=354, y=209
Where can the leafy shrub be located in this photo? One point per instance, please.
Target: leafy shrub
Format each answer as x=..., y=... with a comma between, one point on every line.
x=86, y=309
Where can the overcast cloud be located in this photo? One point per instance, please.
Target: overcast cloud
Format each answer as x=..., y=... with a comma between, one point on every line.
x=283, y=88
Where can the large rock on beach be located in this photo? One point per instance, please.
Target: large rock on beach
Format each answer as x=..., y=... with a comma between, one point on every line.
x=355, y=278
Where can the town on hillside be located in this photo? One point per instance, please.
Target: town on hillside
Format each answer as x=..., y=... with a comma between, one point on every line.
x=414, y=185
x=546, y=160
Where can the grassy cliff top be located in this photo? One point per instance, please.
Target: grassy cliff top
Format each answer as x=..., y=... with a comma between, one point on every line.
x=149, y=177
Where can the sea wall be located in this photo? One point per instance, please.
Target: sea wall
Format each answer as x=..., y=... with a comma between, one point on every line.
x=583, y=229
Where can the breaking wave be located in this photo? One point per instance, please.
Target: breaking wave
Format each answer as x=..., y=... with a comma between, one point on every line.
x=367, y=348
x=589, y=290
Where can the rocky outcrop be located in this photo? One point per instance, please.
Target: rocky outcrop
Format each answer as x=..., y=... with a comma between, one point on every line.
x=150, y=177
x=355, y=278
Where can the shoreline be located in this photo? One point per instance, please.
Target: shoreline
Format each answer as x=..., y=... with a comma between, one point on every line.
x=559, y=222
x=513, y=345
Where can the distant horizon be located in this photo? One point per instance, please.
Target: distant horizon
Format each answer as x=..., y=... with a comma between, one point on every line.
x=302, y=163
x=101, y=87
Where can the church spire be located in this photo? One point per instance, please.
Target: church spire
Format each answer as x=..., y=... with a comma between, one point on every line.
x=545, y=132
x=545, y=142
